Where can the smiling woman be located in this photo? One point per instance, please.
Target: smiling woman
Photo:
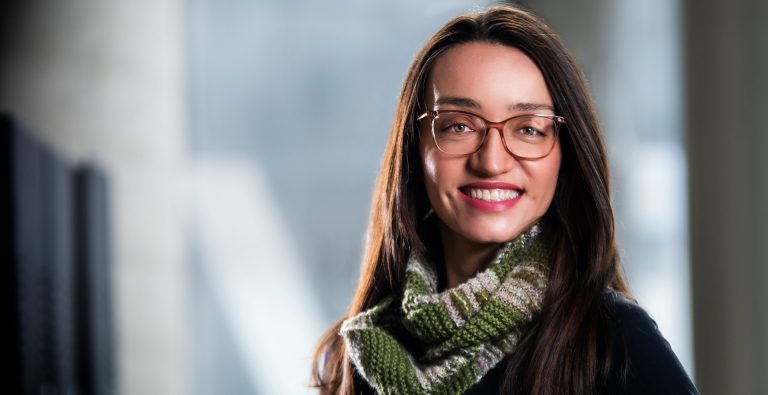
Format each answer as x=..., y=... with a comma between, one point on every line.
x=489, y=194
x=491, y=264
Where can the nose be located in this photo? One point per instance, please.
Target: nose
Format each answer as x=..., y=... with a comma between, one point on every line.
x=493, y=157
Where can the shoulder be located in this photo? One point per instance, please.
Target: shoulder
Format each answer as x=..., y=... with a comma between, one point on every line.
x=626, y=317
x=640, y=352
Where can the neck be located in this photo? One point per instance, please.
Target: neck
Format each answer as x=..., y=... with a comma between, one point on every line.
x=464, y=258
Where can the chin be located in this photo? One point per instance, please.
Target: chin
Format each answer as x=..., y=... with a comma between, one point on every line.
x=493, y=240
x=485, y=236
x=496, y=231
x=498, y=238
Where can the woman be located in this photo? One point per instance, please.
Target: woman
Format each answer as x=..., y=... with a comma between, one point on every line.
x=491, y=264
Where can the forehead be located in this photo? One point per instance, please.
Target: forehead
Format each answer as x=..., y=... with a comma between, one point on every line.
x=494, y=76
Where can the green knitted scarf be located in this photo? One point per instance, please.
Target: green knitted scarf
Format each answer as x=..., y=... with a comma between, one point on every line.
x=457, y=335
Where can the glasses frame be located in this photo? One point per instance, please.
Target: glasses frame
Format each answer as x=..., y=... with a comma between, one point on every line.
x=499, y=126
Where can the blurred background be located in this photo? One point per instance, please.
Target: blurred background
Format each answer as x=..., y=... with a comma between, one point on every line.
x=186, y=184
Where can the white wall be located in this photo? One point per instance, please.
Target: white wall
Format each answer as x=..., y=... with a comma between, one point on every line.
x=102, y=81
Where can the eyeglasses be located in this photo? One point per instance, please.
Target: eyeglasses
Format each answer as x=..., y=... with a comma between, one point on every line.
x=527, y=136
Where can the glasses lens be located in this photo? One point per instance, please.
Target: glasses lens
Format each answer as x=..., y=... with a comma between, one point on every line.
x=530, y=136
x=458, y=133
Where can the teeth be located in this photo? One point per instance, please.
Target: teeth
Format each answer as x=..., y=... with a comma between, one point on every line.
x=493, y=195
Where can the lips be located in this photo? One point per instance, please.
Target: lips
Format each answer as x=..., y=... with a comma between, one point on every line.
x=491, y=196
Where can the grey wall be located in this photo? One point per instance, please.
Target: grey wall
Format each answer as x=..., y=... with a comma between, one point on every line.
x=726, y=47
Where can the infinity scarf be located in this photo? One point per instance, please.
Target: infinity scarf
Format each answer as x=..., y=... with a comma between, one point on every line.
x=460, y=333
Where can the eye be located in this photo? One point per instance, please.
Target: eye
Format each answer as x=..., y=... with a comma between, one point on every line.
x=458, y=128
x=455, y=124
x=530, y=131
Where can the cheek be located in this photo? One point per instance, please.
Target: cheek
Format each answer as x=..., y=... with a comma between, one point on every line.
x=430, y=168
x=440, y=173
x=430, y=164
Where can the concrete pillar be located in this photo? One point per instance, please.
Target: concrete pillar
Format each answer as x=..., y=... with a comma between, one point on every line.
x=102, y=81
x=726, y=69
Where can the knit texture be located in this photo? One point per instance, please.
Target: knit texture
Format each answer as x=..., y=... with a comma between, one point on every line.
x=461, y=332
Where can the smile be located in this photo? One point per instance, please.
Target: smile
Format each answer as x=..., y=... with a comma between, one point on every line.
x=493, y=195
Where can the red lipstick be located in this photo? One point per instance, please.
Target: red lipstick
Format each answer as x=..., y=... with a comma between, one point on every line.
x=490, y=206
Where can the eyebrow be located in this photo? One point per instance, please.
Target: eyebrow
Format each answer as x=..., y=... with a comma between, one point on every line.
x=467, y=102
x=530, y=107
x=458, y=101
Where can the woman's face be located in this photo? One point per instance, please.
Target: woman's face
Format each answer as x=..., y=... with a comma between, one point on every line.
x=496, y=82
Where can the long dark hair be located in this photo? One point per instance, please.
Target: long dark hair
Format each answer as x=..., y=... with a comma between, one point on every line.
x=568, y=347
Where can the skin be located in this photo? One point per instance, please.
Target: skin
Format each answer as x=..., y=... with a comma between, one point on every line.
x=502, y=82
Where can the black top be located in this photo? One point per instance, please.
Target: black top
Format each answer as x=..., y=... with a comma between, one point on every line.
x=654, y=368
